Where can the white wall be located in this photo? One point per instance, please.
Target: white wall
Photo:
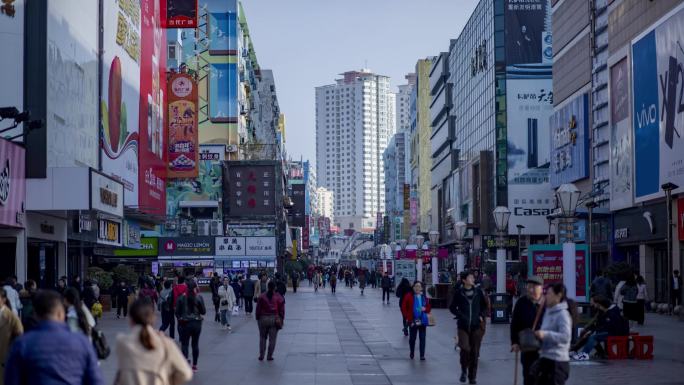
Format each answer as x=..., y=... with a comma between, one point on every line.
x=12, y=62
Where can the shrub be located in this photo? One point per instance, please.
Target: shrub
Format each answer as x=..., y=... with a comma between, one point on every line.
x=103, y=278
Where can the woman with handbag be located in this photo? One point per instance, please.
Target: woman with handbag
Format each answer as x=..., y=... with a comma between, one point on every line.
x=190, y=311
x=227, y=301
x=416, y=309
x=270, y=313
x=555, y=334
x=147, y=357
x=527, y=314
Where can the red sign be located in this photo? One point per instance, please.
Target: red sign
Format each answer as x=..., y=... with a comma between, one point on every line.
x=305, y=234
x=546, y=261
x=442, y=253
x=183, y=151
x=680, y=218
x=152, y=171
x=179, y=14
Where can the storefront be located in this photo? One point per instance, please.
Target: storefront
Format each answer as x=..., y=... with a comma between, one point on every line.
x=46, y=248
x=186, y=255
x=640, y=240
x=245, y=255
x=143, y=257
x=12, y=216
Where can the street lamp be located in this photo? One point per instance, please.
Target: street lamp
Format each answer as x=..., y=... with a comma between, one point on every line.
x=419, y=257
x=520, y=228
x=668, y=187
x=393, y=253
x=501, y=216
x=591, y=205
x=568, y=197
x=402, y=246
x=460, y=228
x=434, y=238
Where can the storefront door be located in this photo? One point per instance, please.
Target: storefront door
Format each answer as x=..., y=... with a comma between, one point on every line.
x=8, y=251
x=42, y=263
x=660, y=265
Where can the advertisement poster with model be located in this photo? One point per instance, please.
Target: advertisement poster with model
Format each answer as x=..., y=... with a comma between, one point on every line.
x=12, y=74
x=183, y=151
x=152, y=175
x=121, y=94
x=207, y=185
x=12, y=184
x=528, y=32
x=658, y=123
x=179, y=13
x=530, y=197
x=621, y=185
x=546, y=261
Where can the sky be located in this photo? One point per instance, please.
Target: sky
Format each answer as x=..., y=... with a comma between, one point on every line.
x=308, y=43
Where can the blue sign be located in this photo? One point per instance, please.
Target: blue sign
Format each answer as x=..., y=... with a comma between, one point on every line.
x=646, y=116
x=570, y=142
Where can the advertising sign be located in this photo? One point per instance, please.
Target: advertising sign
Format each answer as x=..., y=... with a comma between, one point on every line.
x=12, y=184
x=299, y=201
x=404, y=269
x=207, y=185
x=132, y=236
x=621, y=185
x=407, y=195
x=657, y=60
x=183, y=137
x=180, y=14
x=570, y=142
x=260, y=246
x=251, y=188
x=530, y=197
x=148, y=248
x=12, y=74
x=528, y=32
x=186, y=248
x=546, y=261
x=680, y=218
x=230, y=246
x=106, y=194
x=109, y=232
x=121, y=94
x=306, y=233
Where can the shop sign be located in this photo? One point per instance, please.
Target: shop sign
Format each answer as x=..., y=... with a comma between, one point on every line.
x=546, y=261
x=251, y=189
x=230, y=246
x=640, y=224
x=148, y=248
x=180, y=14
x=106, y=194
x=109, y=232
x=132, y=235
x=85, y=224
x=491, y=241
x=621, y=233
x=570, y=142
x=12, y=184
x=186, y=246
x=262, y=246
x=183, y=151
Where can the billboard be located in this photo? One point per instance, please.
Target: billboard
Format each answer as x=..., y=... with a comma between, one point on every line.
x=528, y=32
x=148, y=248
x=121, y=94
x=186, y=248
x=546, y=261
x=207, y=185
x=12, y=74
x=250, y=188
x=299, y=210
x=183, y=151
x=621, y=175
x=12, y=184
x=179, y=14
x=530, y=198
x=657, y=60
x=306, y=230
x=570, y=142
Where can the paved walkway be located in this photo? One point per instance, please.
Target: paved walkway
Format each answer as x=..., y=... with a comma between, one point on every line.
x=349, y=339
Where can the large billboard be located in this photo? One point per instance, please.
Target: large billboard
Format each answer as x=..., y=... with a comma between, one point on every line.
x=530, y=197
x=657, y=60
x=299, y=200
x=183, y=135
x=570, y=142
x=528, y=32
x=250, y=188
x=179, y=14
x=12, y=74
x=621, y=175
x=207, y=185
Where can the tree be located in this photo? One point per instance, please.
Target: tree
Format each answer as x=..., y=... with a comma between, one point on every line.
x=103, y=278
x=125, y=273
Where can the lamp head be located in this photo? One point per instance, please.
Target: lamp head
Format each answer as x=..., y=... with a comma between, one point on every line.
x=568, y=197
x=460, y=228
x=419, y=241
x=501, y=216
x=434, y=237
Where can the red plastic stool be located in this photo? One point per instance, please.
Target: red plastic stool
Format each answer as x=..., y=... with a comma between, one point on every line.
x=617, y=347
x=643, y=347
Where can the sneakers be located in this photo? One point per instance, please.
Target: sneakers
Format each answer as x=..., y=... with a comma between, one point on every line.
x=463, y=377
x=194, y=368
x=581, y=356
x=230, y=330
x=473, y=381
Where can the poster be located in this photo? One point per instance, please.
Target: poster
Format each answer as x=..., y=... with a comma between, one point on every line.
x=180, y=14
x=658, y=123
x=298, y=212
x=546, y=261
x=528, y=32
x=530, y=197
x=251, y=188
x=183, y=149
x=207, y=185
x=12, y=184
x=621, y=185
x=121, y=94
x=570, y=142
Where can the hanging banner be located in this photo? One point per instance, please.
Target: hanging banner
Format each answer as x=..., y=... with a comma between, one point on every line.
x=183, y=142
x=179, y=14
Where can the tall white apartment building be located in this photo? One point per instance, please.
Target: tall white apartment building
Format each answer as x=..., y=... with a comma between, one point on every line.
x=355, y=118
x=403, y=104
x=325, y=203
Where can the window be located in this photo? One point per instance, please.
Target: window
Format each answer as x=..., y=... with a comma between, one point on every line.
x=223, y=92
x=222, y=31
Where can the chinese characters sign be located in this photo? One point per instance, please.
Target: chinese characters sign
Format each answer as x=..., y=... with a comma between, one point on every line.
x=180, y=14
x=299, y=200
x=250, y=188
x=546, y=261
x=183, y=151
x=246, y=246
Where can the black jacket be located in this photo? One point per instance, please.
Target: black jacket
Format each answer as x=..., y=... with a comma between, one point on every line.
x=403, y=288
x=386, y=282
x=612, y=322
x=248, y=288
x=524, y=313
x=468, y=313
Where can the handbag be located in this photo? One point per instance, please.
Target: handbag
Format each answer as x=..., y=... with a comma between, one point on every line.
x=100, y=344
x=431, y=320
x=527, y=340
x=278, y=322
x=236, y=310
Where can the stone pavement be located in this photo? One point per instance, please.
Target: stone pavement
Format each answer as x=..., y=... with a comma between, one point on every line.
x=349, y=339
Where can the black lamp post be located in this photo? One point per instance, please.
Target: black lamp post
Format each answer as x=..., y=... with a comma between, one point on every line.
x=668, y=187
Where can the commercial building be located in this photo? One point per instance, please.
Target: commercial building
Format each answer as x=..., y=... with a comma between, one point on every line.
x=354, y=122
x=397, y=187
x=403, y=103
x=421, y=159
x=326, y=203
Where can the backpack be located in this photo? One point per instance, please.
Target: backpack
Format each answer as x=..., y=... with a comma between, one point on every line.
x=166, y=303
x=100, y=344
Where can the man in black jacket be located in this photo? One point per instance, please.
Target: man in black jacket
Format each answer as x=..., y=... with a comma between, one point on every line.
x=524, y=314
x=470, y=306
x=386, y=284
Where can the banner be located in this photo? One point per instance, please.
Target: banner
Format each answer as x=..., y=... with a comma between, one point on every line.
x=12, y=184
x=621, y=184
x=528, y=32
x=546, y=261
x=570, y=142
x=183, y=139
x=180, y=14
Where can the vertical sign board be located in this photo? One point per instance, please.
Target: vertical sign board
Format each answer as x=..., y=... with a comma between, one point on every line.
x=621, y=168
x=183, y=155
x=179, y=14
x=658, y=79
x=299, y=200
x=305, y=234
x=570, y=142
x=546, y=261
x=12, y=184
x=250, y=188
x=680, y=218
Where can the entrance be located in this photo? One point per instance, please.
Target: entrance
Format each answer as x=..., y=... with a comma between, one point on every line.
x=8, y=251
x=42, y=263
x=660, y=274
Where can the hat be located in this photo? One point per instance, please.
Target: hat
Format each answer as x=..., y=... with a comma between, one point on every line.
x=535, y=280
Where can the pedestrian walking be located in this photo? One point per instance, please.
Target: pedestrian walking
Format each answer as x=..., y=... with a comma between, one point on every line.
x=237, y=290
x=415, y=309
x=227, y=301
x=10, y=329
x=12, y=295
x=386, y=284
x=403, y=288
x=362, y=281
x=642, y=298
x=146, y=357
x=333, y=283
x=524, y=315
x=190, y=311
x=261, y=285
x=214, y=285
x=89, y=297
x=373, y=279
x=148, y=293
x=50, y=353
x=316, y=280
x=601, y=286
x=121, y=293
x=295, y=281
x=270, y=314
x=676, y=290
x=469, y=305
x=166, y=309
x=28, y=315
x=78, y=316
x=281, y=284
x=248, y=289
x=553, y=366
x=61, y=286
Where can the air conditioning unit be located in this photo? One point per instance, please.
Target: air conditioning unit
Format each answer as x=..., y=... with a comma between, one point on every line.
x=186, y=229
x=203, y=228
x=231, y=148
x=216, y=227
x=171, y=225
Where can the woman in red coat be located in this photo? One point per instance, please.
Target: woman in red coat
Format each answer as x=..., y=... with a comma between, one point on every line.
x=415, y=308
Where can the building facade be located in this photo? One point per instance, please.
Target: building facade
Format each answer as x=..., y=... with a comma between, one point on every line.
x=421, y=159
x=403, y=103
x=326, y=203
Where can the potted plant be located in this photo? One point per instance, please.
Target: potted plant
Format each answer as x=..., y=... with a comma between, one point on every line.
x=104, y=281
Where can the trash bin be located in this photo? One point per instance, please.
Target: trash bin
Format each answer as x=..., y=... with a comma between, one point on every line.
x=501, y=308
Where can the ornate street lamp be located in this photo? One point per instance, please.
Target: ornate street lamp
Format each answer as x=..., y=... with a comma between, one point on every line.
x=501, y=216
x=568, y=197
x=419, y=257
x=460, y=228
x=434, y=238
x=402, y=246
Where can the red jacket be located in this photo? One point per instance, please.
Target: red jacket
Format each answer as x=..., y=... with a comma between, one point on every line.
x=407, y=306
x=179, y=290
x=274, y=306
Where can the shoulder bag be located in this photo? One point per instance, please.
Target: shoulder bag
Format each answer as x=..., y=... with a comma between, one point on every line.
x=100, y=344
x=528, y=341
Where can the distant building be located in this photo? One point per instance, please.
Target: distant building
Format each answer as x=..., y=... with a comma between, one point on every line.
x=326, y=203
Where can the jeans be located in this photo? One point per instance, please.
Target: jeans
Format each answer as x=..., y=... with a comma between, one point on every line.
x=333, y=287
x=190, y=330
x=122, y=303
x=385, y=290
x=469, y=342
x=593, y=340
x=420, y=331
x=267, y=330
x=551, y=372
x=249, y=303
x=168, y=322
x=527, y=359
x=225, y=317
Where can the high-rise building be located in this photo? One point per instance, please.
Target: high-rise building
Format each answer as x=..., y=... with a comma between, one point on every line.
x=403, y=103
x=325, y=203
x=354, y=121
x=421, y=160
x=396, y=173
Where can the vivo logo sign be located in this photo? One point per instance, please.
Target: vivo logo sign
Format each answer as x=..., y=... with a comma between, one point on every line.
x=647, y=115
